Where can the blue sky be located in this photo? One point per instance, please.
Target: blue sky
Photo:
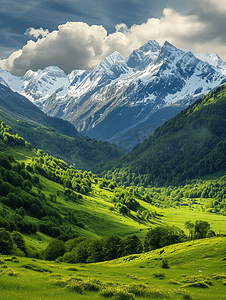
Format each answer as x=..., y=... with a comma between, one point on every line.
x=77, y=34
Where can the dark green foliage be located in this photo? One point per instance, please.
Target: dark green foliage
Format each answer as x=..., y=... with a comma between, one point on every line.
x=81, y=252
x=95, y=251
x=112, y=247
x=19, y=241
x=159, y=275
x=36, y=268
x=189, y=145
x=54, y=249
x=6, y=242
x=161, y=236
x=165, y=264
x=131, y=245
x=86, y=250
x=201, y=228
x=64, y=142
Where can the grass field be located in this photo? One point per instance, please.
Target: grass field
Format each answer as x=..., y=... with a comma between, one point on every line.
x=95, y=210
x=197, y=270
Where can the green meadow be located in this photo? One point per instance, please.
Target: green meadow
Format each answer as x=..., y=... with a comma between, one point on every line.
x=74, y=204
x=195, y=270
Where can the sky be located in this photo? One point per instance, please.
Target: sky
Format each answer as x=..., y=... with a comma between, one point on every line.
x=78, y=34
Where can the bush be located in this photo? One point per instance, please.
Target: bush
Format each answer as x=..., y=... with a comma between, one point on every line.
x=159, y=275
x=165, y=264
x=80, y=286
x=107, y=292
x=68, y=257
x=199, y=284
x=54, y=249
x=219, y=276
x=195, y=279
x=187, y=297
x=75, y=287
x=123, y=295
x=137, y=289
x=172, y=281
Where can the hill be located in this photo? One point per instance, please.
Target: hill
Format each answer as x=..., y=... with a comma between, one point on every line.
x=53, y=135
x=21, y=108
x=43, y=188
x=49, y=210
x=186, y=147
x=196, y=270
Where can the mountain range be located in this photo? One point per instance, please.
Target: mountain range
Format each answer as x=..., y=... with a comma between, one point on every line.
x=123, y=100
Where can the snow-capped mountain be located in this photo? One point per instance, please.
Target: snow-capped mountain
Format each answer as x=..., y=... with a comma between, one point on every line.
x=122, y=100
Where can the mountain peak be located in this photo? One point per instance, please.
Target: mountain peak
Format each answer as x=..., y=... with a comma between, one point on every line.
x=113, y=60
x=144, y=55
x=114, y=57
x=151, y=45
x=169, y=53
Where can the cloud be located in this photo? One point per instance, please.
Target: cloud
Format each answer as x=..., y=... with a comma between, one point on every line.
x=76, y=45
x=37, y=32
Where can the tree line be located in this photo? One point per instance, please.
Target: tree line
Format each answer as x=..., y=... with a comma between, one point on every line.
x=90, y=250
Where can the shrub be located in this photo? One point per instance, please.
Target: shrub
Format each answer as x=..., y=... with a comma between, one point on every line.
x=12, y=273
x=165, y=264
x=200, y=284
x=160, y=275
x=172, y=281
x=79, y=286
x=137, y=289
x=195, y=279
x=91, y=286
x=187, y=297
x=123, y=295
x=107, y=292
x=68, y=257
x=36, y=268
x=75, y=287
x=154, y=292
x=219, y=276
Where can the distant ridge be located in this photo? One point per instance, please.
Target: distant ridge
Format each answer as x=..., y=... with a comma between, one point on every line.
x=123, y=100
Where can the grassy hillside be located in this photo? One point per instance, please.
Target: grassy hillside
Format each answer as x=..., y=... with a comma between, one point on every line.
x=188, y=146
x=99, y=206
x=21, y=108
x=49, y=209
x=195, y=270
x=83, y=152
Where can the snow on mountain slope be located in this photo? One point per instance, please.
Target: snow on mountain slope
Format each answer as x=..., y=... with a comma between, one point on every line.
x=9, y=80
x=212, y=59
x=122, y=98
x=40, y=85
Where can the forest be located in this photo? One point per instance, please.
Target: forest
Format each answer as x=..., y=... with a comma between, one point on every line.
x=26, y=209
x=186, y=147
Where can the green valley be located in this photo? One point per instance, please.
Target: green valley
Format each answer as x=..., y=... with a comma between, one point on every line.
x=151, y=225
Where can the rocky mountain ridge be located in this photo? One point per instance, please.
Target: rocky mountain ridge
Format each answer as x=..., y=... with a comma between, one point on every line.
x=123, y=100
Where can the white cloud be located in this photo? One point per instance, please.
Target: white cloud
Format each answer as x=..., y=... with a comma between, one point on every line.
x=37, y=32
x=76, y=45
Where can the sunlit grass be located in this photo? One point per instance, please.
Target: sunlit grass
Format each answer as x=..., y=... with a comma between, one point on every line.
x=191, y=265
